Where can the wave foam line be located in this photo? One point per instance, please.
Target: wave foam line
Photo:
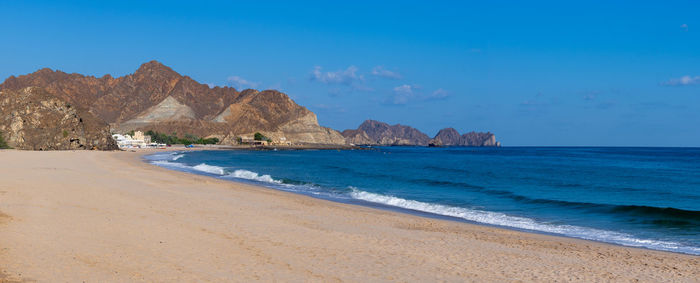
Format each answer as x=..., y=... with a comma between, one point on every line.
x=171, y=165
x=211, y=169
x=500, y=219
x=250, y=175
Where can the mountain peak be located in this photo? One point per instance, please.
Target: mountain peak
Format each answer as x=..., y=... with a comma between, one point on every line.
x=155, y=67
x=373, y=123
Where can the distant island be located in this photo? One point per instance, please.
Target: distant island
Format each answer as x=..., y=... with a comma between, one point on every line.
x=54, y=110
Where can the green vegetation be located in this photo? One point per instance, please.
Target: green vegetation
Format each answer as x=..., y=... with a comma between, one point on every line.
x=3, y=144
x=65, y=133
x=173, y=139
x=260, y=137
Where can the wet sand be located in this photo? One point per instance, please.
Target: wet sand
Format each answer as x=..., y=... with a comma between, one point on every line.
x=107, y=216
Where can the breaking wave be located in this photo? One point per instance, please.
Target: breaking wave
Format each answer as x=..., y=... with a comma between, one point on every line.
x=216, y=170
x=250, y=175
x=206, y=168
x=501, y=219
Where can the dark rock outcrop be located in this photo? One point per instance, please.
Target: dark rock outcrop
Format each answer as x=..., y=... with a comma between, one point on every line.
x=450, y=137
x=357, y=137
x=479, y=139
x=447, y=136
x=158, y=98
x=33, y=119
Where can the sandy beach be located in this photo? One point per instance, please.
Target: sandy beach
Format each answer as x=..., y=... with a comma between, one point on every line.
x=107, y=216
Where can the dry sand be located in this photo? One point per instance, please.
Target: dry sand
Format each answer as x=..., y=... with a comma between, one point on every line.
x=107, y=216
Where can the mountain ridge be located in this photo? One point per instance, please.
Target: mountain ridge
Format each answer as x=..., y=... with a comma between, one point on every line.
x=145, y=99
x=156, y=97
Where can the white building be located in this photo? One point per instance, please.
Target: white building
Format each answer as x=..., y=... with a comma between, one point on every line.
x=137, y=141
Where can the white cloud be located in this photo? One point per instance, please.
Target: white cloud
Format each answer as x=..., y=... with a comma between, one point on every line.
x=439, y=94
x=403, y=93
x=684, y=27
x=683, y=81
x=406, y=93
x=241, y=83
x=379, y=71
x=346, y=77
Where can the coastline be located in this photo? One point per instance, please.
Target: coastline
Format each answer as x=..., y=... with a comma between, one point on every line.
x=415, y=208
x=110, y=216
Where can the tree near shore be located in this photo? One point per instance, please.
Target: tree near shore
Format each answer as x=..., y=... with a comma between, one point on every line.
x=260, y=137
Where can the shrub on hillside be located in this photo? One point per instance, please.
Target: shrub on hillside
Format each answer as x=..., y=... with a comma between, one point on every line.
x=260, y=137
x=3, y=144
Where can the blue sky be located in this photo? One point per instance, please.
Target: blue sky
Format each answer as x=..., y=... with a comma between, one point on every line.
x=545, y=73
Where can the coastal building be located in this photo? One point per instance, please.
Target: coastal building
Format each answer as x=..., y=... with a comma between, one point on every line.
x=138, y=140
x=282, y=141
x=139, y=136
x=246, y=140
x=253, y=141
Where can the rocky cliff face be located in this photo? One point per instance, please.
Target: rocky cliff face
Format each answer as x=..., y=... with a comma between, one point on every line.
x=479, y=139
x=357, y=137
x=450, y=137
x=447, y=136
x=379, y=133
x=33, y=119
x=157, y=98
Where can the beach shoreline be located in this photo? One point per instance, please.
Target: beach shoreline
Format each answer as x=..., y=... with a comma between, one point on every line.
x=392, y=204
x=98, y=216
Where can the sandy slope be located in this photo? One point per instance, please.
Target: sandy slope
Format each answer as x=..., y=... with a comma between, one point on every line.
x=105, y=216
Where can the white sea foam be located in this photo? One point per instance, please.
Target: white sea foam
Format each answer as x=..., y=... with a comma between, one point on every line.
x=250, y=175
x=177, y=156
x=206, y=168
x=501, y=219
x=171, y=165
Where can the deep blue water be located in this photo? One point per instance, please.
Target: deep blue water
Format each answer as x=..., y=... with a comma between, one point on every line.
x=644, y=197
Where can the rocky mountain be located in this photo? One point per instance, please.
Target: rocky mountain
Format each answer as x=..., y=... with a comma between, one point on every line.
x=357, y=137
x=33, y=119
x=157, y=98
x=378, y=133
x=450, y=137
x=447, y=136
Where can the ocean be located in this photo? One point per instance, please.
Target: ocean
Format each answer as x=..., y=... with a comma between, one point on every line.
x=639, y=197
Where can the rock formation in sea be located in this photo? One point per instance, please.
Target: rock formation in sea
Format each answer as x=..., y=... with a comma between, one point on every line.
x=450, y=137
x=33, y=119
x=157, y=98
x=378, y=133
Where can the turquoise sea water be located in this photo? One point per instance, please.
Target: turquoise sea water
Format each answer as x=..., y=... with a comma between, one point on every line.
x=642, y=197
